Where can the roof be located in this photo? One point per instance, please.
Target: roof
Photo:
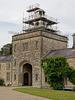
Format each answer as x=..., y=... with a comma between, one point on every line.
x=6, y=58
x=67, y=53
x=40, y=10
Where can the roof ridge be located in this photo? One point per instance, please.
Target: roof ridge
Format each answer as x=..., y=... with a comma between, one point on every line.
x=46, y=54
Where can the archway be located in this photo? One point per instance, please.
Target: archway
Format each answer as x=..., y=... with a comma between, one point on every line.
x=27, y=74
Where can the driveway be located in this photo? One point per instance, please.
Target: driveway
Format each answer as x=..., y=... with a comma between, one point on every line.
x=6, y=93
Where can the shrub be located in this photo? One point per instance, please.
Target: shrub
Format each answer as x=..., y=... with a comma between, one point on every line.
x=1, y=81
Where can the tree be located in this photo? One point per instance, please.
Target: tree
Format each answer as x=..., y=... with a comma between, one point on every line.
x=6, y=50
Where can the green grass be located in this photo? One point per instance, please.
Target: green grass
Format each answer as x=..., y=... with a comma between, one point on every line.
x=2, y=86
x=50, y=94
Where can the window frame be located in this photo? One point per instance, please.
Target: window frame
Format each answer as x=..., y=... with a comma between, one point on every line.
x=8, y=76
x=36, y=61
x=7, y=66
x=25, y=46
x=15, y=62
x=36, y=44
x=15, y=47
x=14, y=77
x=36, y=77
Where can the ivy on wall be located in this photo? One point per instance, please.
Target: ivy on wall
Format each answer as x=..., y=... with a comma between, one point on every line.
x=56, y=68
x=71, y=76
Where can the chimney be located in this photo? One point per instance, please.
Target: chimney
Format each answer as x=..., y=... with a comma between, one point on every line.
x=73, y=40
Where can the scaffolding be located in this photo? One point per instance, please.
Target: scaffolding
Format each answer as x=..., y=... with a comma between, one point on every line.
x=37, y=19
x=33, y=7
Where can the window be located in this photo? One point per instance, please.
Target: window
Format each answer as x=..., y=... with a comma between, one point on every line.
x=8, y=76
x=45, y=77
x=0, y=66
x=15, y=48
x=7, y=66
x=36, y=44
x=14, y=77
x=36, y=77
x=14, y=62
x=37, y=24
x=25, y=46
x=36, y=61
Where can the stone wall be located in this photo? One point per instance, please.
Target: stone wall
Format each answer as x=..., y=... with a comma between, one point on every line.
x=29, y=56
x=71, y=62
x=4, y=71
x=52, y=44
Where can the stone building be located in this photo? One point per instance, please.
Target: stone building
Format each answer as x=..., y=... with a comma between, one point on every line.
x=6, y=69
x=28, y=48
x=39, y=39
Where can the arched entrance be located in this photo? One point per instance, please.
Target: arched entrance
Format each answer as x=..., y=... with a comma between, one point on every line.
x=27, y=74
x=25, y=79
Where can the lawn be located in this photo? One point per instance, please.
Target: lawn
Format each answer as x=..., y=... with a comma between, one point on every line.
x=2, y=86
x=50, y=94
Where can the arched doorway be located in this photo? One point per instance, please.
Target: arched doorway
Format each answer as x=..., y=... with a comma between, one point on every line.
x=25, y=79
x=27, y=74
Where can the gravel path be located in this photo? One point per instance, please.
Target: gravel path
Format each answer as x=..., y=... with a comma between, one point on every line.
x=6, y=93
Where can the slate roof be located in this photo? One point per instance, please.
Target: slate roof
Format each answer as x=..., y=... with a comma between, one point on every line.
x=67, y=53
x=6, y=58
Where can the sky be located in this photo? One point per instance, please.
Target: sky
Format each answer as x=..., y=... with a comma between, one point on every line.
x=11, y=16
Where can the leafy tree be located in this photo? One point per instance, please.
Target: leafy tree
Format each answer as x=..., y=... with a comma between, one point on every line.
x=1, y=51
x=10, y=51
x=10, y=48
x=56, y=68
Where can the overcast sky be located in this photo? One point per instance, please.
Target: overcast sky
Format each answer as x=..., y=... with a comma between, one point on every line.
x=11, y=15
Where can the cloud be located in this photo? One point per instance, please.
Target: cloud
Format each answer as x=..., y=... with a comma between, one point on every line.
x=11, y=13
x=5, y=27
